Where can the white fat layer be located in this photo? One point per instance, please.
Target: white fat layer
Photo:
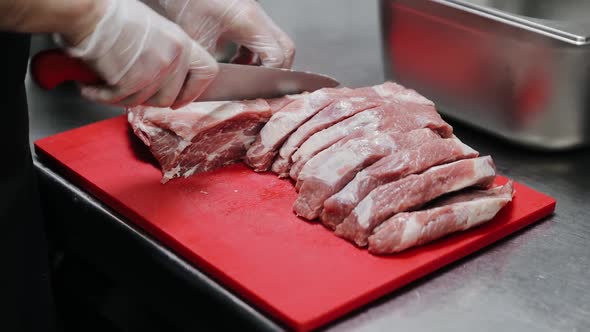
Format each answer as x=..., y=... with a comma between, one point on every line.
x=467, y=215
x=482, y=169
x=193, y=118
x=478, y=211
x=363, y=211
x=281, y=123
x=382, y=91
x=465, y=149
x=328, y=172
x=412, y=231
x=190, y=172
x=342, y=129
x=412, y=97
x=344, y=104
x=348, y=193
x=172, y=173
x=183, y=145
x=401, y=94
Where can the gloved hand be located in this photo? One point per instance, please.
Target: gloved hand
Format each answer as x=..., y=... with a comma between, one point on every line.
x=241, y=21
x=144, y=58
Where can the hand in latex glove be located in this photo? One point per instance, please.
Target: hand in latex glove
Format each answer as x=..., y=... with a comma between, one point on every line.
x=241, y=21
x=144, y=58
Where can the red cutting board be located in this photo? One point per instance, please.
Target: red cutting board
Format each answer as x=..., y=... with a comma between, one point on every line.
x=238, y=226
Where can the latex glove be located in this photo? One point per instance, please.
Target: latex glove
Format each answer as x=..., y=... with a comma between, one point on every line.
x=241, y=21
x=144, y=58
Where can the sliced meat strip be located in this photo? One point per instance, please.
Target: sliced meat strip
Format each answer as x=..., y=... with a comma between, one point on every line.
x=356, y=101
x=328, y=116
x=392, y=168
x=330, y=170
x=459, y=213
x=282, y=123
x=200, y=136
x=356, y=126
x=412, y=192
x=393, y=116
x=277, y=104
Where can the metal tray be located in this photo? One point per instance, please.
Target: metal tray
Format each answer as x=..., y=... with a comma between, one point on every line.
x=518, y=69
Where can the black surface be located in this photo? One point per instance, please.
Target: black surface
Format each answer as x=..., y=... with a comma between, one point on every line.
x=25, y=298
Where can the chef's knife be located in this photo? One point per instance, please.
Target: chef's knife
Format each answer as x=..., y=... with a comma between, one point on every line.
x=51, y=68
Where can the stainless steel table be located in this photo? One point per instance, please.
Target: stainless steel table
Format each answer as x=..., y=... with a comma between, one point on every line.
x=536, y=280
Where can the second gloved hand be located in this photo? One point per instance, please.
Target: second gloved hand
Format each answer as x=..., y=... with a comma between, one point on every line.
x=144, y=58
x=241, y=21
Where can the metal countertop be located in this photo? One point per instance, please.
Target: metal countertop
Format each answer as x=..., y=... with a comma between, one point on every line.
x=536, y=280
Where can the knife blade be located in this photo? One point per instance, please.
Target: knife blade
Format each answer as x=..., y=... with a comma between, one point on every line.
x=51, y=68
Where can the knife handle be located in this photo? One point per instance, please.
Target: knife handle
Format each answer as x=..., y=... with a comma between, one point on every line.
x=50, y=68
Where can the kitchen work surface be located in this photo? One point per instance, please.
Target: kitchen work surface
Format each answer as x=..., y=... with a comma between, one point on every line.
x=238, y=227
x=535, y=280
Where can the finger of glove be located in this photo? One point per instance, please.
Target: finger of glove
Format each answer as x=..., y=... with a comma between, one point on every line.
x=248, y=26
x=135, y=87
x=170, y=89
x=141, y=82
x=202, y=70
x=199, y=19
x=146, y=96
x=286, y=43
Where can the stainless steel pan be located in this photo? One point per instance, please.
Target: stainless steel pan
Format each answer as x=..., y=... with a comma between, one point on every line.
x=515, y=68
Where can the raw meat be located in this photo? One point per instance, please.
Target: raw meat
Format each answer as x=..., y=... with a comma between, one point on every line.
x=330, y=170
x=282, y=123
x=392, y=168
x=200, y=136
x=401, y=117
x=359, y=157
x=277, y=104
x=355, y=126
x=412, y=192
x=401, y=93
x=459, y=213
x=356, y=101
x=328, y=116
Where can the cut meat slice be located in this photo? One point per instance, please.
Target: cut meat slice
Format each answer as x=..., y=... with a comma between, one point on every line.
x=412, y=192
x=356, y=101
x=392, y=168
x=277, y=104
x=200, y=136
x=459, y=213
x=284, y=122
x=401, y=117
x=328, y=116
x=367, y=121
x=330, y=170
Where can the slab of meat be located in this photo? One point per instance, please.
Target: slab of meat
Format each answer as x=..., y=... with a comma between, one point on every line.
x=413, y=192
x=401, y=117
x=356, y=101
x=330, y=170
x=282, y=123
x=200, y=136
x=391, y=168
x=458, y=213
